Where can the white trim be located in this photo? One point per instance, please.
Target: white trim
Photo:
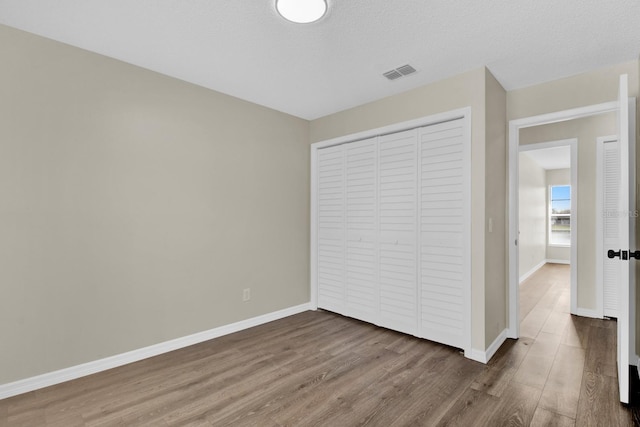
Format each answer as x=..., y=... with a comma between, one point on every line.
x=447, y=116
x=485, y=356
x=588, y=312
x=575, y=221
x=313, y=230
x=558, y=261
x=548, y=144
x=529, y=273
x=514, y=130
x=467, y=231
x=542, y=264
x=67, y=374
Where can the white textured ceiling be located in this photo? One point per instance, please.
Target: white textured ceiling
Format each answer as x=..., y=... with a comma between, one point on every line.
x=551, y=158
x=242, y=48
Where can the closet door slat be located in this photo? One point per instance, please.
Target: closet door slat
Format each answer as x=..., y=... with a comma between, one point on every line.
x=610, y=190
x=397, y=230
x=331, y=229
x=361, y=239
x=443, y=229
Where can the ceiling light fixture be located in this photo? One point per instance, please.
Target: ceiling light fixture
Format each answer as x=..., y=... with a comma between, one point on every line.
x=301, y=11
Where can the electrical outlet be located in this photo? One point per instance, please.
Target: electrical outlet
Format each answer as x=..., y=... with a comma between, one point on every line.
x=246, y=294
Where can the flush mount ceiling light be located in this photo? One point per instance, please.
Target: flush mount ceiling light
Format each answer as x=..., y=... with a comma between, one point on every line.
x=301, y=11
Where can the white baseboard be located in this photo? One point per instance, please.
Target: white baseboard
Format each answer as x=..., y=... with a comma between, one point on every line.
x=558, y=261
x=526, y=275
x=67, y=374
x=587, y=312
x=485, y=356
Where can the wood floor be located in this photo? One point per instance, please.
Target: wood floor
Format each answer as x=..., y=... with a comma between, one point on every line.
x=321, y=369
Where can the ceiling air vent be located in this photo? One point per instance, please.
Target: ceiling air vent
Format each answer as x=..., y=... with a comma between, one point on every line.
x=405, y=70
x=392, y=75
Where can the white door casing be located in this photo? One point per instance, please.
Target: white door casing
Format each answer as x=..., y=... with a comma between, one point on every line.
x=626, y=330
x=514, y=148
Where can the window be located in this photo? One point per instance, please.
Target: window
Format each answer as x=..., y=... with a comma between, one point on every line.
x=560, y=215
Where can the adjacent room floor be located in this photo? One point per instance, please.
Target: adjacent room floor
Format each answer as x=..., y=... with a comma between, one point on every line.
x=322, y=369
x=571, y=359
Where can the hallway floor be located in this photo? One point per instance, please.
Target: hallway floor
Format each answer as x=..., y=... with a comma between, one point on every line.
x=567, y=362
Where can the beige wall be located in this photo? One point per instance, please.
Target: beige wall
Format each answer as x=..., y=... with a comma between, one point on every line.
x=132, y=202
x=468, y=89
x=455, y=92
x=571, y=92
x=532, y=214
x=496, y=179
x=586, y=130
x=557, y=177
x=134, y=208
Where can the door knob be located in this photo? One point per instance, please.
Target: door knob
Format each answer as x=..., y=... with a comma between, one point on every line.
x=624, y=255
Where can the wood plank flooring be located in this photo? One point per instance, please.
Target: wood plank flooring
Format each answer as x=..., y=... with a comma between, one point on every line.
x=322, y=369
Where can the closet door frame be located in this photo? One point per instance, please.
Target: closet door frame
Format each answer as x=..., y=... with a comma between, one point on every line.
x=462, y=113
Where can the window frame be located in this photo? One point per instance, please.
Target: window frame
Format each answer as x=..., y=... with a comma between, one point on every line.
x=550, y=215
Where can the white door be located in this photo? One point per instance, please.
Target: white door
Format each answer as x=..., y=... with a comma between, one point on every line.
x=609, y=180
x=444, y=233
x=623, y=242
x=397, y=183
x=361, y=278
x=330, y=229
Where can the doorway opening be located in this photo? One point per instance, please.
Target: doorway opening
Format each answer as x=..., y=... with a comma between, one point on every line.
x=562, y=128
x=548, y=206
x=624, y=109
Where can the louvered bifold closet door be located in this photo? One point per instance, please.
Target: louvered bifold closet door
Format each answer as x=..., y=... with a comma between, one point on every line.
x=444, y=228
x=397, y=205
x=331, y=229
x=361, y=237
x=610, y=196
